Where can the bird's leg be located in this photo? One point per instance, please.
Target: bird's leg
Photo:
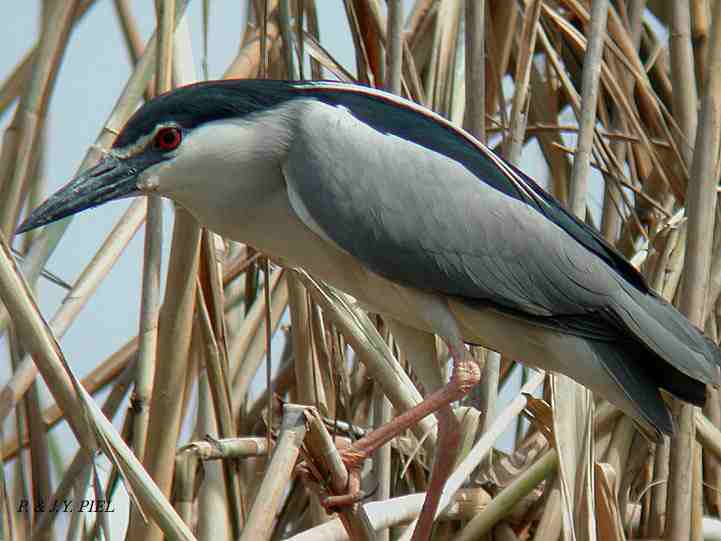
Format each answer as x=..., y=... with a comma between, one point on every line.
x=465, y=375
x=445, y=456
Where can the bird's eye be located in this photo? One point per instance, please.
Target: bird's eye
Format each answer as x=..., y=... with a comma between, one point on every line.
x=168, y=138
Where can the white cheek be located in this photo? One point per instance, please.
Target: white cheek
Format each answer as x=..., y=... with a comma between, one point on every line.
x=149, y=180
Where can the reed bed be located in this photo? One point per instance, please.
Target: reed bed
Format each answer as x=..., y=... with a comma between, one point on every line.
x=223, y=415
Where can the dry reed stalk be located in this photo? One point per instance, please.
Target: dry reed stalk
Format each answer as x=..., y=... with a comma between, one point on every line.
x=573, y=405
x=248, y=364
x=277, y=475
x=309, y=383
x=483, y=446
x=105, y=373
x=87, y=421
x=382, y=414
x=685, y=97
x=183, y=498
x=175, y=324
x=397, y=511
x=33, y=107
x=216, y=365
x=14, y=83
x=81, y=460
x=519, y=106
x=38, y=467
x=172, y=360
x=700, y=208
x=369, y=345
x=244, y=335
x=636, y=143
x=475, y=111
x=501, y=505
x=282, y=384
x=86, y=284
x=47, y=241
x=227, y=448
x=107, y=370
x=309, y=387
x=325, y=461
x=153, y=242
x=700, y=24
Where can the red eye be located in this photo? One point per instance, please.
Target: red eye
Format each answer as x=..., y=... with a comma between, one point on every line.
x=168, y=138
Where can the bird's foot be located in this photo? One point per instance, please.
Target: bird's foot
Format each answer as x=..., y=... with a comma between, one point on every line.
x=353, y=460
x=332, y=502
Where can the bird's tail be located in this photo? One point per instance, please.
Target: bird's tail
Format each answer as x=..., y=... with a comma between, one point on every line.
x=639, y=373
x=670, y=351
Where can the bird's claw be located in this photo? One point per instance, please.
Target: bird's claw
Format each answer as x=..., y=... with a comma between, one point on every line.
x=332, y=502
x=353, y=461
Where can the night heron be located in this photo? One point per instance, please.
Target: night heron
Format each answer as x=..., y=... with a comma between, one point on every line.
x=421, y=223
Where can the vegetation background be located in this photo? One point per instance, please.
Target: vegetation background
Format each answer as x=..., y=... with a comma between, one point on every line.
x=611, y=105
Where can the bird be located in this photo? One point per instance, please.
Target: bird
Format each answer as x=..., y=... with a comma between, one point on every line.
x=420, y=223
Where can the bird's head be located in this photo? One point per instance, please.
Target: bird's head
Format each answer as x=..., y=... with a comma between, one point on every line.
x=128, y=169
x=168, y=139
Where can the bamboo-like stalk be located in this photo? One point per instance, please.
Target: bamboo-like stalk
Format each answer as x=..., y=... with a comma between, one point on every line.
x=328, y=464
x=287, y=35
x=175, y=323
x=153, y=243
x=700, y=23
x=700, y=207
x=502, y=503
x=277, y=475
x=394, y=47
x=214, y=502
x=38, y=339
x=217, y=375
x=240, y=343
x=573, y=406
x=523, y=75
x=482, y=447
x=41, y=250
x=551, y=523
x=39, y=467
x=382, y=414
x=227, y=448
x=81, y=460
x=133, y=41
x=589, y=98
x=309, y=384
x=150, y=292
x=86, y=284
x=697, y=495
x=611, y=212
x=639, y=142
x=373, y=350
x=685, y=98
x=176, y=315
x=253, y=356
x=33, y=108
x=475, y=115
x=14, y=83
x=396, y=511
x=12, y=86
x=184, y=486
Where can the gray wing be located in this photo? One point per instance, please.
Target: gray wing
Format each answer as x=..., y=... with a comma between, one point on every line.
x=422, y=219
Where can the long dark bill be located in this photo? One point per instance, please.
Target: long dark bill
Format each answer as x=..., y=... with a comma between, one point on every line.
x=109, y=180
